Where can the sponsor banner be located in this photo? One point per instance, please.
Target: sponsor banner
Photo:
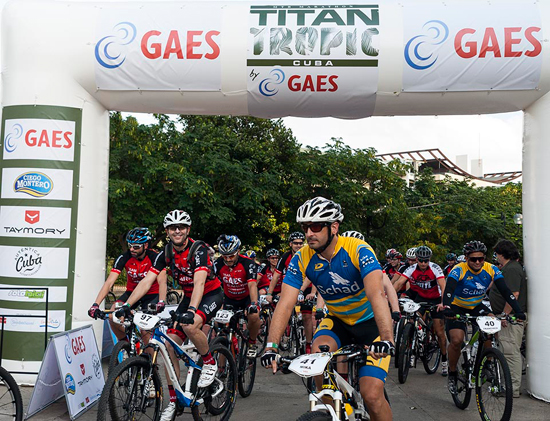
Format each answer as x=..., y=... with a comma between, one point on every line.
x=34, y=262
x=451, y=48
x=32, y=294
x=35, y=222
x=31, y=138
x=37, y=183
x=309, y=59
x=56, y=320
x=173, y=48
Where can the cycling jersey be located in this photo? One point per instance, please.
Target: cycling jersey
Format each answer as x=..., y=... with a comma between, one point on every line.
x=137, y=269
x=266, y=277
x=281, y=268
x=235, y=279
x=391, y=271
x=448, y=269
x=471, y=287
x=185, y=270
x=424, y=283
x=340, y=281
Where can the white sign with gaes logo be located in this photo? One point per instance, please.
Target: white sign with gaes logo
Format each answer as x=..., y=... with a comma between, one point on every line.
x=35, y=222
x=31, y=138
x=34, y=262
x=77, y=369
x=37, y=183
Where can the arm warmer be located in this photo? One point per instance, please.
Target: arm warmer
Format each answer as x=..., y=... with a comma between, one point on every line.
x=449, y=291
x=507, y=294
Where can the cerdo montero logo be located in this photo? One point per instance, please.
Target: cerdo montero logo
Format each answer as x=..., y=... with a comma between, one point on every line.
x=35, y=184
x=109, y=51
x=10, y=140
x=419, y=52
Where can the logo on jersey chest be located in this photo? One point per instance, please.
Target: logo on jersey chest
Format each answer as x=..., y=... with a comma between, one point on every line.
x=339, y=285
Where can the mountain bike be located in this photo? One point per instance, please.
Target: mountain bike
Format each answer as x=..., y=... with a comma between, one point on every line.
x=418, y=339
x=172, y=296
x=11, y=403
x=134, y=388
x=232, y=333
x=293, y=341
x=346, y=397
x=266, y=313
x=484, y=369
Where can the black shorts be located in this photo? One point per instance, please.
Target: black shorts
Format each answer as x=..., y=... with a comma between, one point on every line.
x=479, y=310
x=236, y=304
x=306, y=308
x=413, y=295
x=364, y=333
x=143, y=302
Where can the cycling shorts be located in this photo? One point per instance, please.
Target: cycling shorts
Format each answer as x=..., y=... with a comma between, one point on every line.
x=364, y=333
x=413, y=295
x=143, y=302
x=237, y=304
x=479, y=310
x=306, y=308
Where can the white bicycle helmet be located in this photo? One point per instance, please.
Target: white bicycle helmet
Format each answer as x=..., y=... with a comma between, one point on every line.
x=354, y=234
x=177, y=217
x=411, y=253
x=319, y=209
x=461, y=259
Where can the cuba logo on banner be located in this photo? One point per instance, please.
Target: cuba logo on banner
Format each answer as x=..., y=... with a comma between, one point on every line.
x=70, y=384
x=109, y=49
x=34, y=184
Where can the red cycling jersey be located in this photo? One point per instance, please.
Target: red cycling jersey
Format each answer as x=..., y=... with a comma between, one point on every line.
x=235, y=279
x=284, y=261
x=265, y=279
x=425, y=283
x=137, y=269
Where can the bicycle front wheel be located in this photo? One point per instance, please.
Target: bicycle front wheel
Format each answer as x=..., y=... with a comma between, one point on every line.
x=133, y=391
x=11, y=403
x=172, y=297
x=432, y=352
x=121, y=351
x=494, y=390
x=398, y=335
x=405, y=353
x=247, y=371
x=464, y=392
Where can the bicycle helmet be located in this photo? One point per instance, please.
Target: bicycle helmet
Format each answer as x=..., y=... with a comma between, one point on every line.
x=138, y=236
x=296, y=235
x=319, y=209
x=354, y=234
x=461, y=259
x=228, y=244
x=411, y=253
x=177, y=217
x=423, y=252
x=473, y=247
x=271, y=253
x=450, y=256
x=251, y=254
x=397, y=255
x=389, y=252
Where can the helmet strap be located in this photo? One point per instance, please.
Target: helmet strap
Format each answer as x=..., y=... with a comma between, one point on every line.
x=329, y=241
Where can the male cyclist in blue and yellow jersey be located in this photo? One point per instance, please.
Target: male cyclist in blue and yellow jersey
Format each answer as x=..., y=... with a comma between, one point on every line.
x=349, y=278
x=465, y=290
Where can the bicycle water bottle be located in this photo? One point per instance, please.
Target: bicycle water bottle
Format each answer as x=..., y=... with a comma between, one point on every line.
x=474, y=349
x=421, y=333
x=235, y=344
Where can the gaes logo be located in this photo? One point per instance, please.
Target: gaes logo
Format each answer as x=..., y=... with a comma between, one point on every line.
x=68, y=355
x=32, y=216
x=270, y=85
x=28, y=261
x=10, y=140
x=109, y=50
x=419, y=52
x=70, y=385
x=35, y=184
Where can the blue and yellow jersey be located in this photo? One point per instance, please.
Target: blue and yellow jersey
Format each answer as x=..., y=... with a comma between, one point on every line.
x=472, y=286
x=340, y=281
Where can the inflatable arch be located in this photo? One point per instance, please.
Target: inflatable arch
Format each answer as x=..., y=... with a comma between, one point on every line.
x=65, y=64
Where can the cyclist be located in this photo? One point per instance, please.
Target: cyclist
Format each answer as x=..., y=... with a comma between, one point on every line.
x=354, y=234
x=410, y=257
x=451, y=262
x=188, y=262
x=394, y=267
x=349, y=279
x=138, y=261
x=465, y=290
x=426, y=281
x=266, y=274
x=238, y=276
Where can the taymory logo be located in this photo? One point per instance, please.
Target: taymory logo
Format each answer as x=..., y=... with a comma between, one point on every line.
x=34, y=184
x=419, y=51
x=11, y=138
x=32, y=216
x=110, y=50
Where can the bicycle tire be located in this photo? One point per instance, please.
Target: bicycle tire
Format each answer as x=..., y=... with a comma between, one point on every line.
x=247, y=371
x=262, y=334
x=398, y=335
x=123, y=347
x=493, y=383
x=464, y=392
x=432, y=351
x=12, y=393
x=405, y=353
x=172, y=297
x=110, y=299
x=130, y=373
x=210, y=410
x=315, y=416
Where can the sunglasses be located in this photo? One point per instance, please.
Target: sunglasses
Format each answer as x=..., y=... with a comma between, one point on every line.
x=298, y=243
x=423, y=260
x=314, y=227
x=476, y=259
x=135, y=246
x=273, y=257
x=228, y=256
x=181, y=227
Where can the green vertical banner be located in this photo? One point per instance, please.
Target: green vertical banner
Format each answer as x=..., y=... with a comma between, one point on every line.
x=39, y=180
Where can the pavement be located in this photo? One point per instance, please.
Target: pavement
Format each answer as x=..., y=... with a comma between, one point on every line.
x=283, y=397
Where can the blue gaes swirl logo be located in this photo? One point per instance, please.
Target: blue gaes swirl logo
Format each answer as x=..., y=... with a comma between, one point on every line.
x=10, y=141
x=109, y=51
x=417, y=50
x=270, y=85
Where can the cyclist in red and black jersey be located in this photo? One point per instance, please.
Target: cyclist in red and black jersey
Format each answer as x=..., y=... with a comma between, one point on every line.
x=238, y=276
x=266, y=274
x=451, y=263
x=394, y=266
x=137, y=261
x=191, y=267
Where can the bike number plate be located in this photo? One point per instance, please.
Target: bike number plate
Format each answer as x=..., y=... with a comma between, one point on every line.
x=145, y=321
x=488, y=324
x=409, y=306
x=310, y=364
x=223, y=316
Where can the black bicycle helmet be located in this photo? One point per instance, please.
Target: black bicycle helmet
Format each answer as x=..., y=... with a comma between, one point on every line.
x=271, y=253
x=296, y=235
x=228, y=244
x=450, y=256
x=473, y=247
x=423, y=252
x=140, y=235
